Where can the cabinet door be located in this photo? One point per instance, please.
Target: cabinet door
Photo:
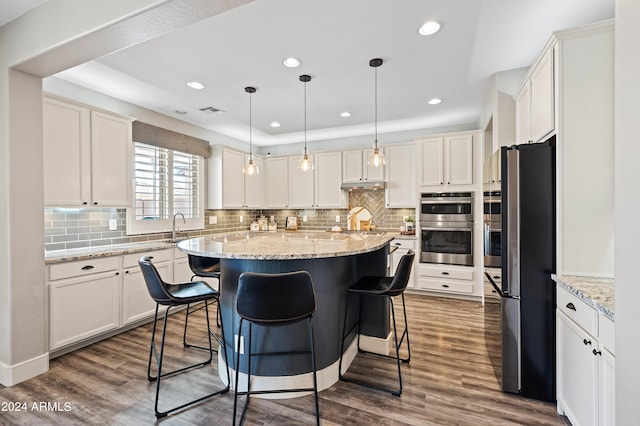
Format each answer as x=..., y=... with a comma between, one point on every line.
x=352, y=166
x=403, y=248
x=300, y=185
x=67, y=154
x=328, y=177
x=576, y=372
x=607, y=389
x=254, y=185
x=82, y=307
x=277, y=182
x=136, y=302
x=232, y=179
x=401, y=188
x=542, y=98
x=110, y=160
x=371, y=172
x=523, y=115
x=459, y=160
x=432, y=159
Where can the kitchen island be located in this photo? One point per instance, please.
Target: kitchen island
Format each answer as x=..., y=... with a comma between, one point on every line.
x=335, y=262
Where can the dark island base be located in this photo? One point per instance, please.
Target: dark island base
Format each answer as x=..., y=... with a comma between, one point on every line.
x=332, y=277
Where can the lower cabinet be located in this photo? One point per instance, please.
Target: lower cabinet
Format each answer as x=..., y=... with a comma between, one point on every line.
x=446, y=278
x=403, y=247
x=585, y=362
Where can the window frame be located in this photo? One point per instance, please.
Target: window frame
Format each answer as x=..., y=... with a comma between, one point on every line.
x=139, y=227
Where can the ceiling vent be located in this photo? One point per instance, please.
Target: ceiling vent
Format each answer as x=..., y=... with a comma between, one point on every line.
x=211, y=110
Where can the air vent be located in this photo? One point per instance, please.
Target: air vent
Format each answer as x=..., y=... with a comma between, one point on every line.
x=211, y=110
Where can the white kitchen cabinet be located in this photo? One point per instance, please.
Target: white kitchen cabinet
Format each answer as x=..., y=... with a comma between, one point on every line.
x=83, y=299
x=585, y=362
x=535, y=101
x=277, y=182
x=301, y=185
x=403, y=247
x=356, y=167
x=446, y=278
x=328, y=178
x=229, y=187
x=87, y=156
x=181, y=271
x=446, y=160
x=137, y=304
x=400, y=181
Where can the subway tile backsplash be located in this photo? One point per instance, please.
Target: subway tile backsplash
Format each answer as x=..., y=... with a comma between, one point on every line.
x=68, y=228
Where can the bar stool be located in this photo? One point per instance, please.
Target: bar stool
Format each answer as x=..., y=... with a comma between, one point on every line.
x=388, y=287
x=203, y=267
x=174, y=295
x=271, y=300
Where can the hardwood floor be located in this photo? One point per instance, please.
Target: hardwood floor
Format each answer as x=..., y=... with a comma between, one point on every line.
x=449, y=381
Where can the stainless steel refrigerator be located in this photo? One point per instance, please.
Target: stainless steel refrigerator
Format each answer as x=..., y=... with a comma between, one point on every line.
x=524, y=357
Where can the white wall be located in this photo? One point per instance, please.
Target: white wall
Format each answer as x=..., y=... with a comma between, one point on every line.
x=83, y=31
x=627, y=206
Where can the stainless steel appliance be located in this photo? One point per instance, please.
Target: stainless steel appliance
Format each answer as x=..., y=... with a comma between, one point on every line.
x=525, y=360
x=492, y=227
x=446, y=228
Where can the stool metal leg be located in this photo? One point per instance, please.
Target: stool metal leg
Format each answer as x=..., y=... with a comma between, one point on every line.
x=313, y=367
x=190, y=311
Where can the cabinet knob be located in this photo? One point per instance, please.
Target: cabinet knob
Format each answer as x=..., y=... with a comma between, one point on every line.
x=117, y=273
x=445, y=273
x=87, y=268
x=586, y=342
x=95, y=203
x=571, y=306
x=596, y=352
x=85, y=203
x=445, y=285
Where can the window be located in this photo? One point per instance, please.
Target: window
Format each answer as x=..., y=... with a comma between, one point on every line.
x=166, y=182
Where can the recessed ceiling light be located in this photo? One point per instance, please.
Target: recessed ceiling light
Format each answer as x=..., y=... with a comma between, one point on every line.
x=429, y=28
x=434, y=101
x=291, y=62
x=181, y=112
x=275, y=124
x=195, y=85
x=345, y=114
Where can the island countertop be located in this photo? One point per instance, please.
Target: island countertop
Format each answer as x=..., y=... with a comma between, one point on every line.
x=283, y=245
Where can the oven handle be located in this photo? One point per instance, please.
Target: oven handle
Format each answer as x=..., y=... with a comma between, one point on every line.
x=447, y=201
x=448, y=228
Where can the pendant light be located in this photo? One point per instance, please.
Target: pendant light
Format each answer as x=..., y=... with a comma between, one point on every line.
x=251, y=168
x=376, y=158
x=305, y=163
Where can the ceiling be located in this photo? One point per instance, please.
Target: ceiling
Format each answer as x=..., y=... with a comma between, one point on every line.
x=334, y=39
x=12, y=9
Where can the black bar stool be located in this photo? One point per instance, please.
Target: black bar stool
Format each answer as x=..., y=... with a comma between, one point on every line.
x=203, y=267
x=274, y=300
x=172, y=295
x=388, y=287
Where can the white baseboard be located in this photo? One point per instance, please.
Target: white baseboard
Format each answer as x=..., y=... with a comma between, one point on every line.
x=326, y=377
x=377, y=345
x=13, y=374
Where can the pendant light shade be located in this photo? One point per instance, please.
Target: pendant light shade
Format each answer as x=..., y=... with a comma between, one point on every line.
x=305, y=164
x=376, y=158
x=251, y=168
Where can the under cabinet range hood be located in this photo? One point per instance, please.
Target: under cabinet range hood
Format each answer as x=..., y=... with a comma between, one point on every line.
x=350, y=186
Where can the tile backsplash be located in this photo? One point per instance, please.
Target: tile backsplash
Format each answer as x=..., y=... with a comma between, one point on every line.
x=68, y=228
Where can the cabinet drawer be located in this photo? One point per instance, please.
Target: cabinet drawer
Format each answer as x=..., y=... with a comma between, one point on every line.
x=581, y=313
x=179, y=254
x=447, y=271
x=403, y=244
x=446, y=285
x=83, y=267
x=131, y=260
x=607, y=333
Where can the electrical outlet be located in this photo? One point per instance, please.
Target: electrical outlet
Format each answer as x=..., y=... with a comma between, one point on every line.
x=337, y=218
x=304, y=217
x=113, y=225
x=213, y=220
x=235, y=344
x=241, y=219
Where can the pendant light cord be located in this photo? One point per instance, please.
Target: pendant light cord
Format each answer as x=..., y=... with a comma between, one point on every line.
x=250, y=131
x=305, y=118
x=375, y=103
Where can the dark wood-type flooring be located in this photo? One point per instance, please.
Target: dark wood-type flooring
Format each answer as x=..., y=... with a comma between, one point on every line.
x=449, y=381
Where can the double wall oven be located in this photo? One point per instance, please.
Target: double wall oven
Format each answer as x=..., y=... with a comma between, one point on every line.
x=446, y=223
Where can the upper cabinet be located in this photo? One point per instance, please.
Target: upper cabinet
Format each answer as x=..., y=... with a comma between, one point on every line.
x=229, y=187
x=535, y=101
x=277, y=182
x=300, y=184
x=446, y=160
x=356, y=167
x=86, y=156
x=401, y=177
x=328, y=177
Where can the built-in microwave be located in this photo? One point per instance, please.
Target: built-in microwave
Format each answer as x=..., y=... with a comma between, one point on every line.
x=446, y=207
x=446, y=242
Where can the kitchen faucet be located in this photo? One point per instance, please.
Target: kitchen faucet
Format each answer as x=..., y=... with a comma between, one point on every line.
x=173, y=225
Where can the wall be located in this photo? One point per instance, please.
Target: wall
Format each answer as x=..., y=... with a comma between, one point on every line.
x=627, y=205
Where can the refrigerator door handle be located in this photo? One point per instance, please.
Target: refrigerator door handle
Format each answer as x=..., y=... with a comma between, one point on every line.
x=512, y=282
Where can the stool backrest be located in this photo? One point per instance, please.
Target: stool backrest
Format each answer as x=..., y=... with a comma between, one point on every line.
x=401, y=277
x=204, y=265
x=155, y=285
x=275, y=298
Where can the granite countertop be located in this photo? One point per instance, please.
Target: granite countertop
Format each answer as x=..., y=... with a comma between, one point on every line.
x=61, y=256
x=597, y=292
x=284, y=245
